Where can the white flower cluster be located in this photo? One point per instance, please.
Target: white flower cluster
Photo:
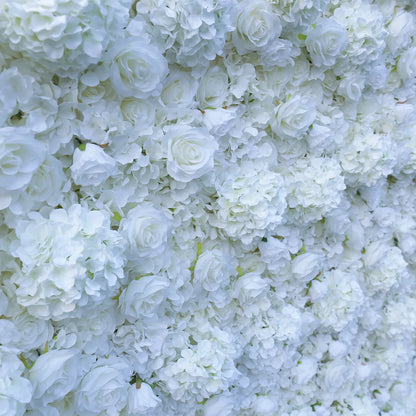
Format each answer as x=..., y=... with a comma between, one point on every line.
x=207, y=207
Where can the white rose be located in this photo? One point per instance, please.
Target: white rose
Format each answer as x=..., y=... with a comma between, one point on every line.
x=352, y=86
x=406, y=67
x=335, y=374
x=220, y=405
x=294, y=117
x=190, y=152
x=250, y=286
x=264, y=405
x=137, y=69
x=326, y=42
x=143, y=296
x=92, y=166
x=305, y=369
x=103, y=389
x=211, y=269
x=138, y=112
x=54, y=374
x=220, y=121
x=146, y=230
x=45, y=187
x=306, y=266
x=256, y=26
x=142, y=399
x=179, y=90
x=213, y=87
x=401, y=29
x=20, y=156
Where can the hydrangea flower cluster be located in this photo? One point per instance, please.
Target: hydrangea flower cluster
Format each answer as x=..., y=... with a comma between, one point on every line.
x=207, y=207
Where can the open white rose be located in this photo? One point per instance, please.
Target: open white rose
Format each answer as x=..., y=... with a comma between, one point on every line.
x=179, y=89
x=137, y=69
x=92, y=166
x=54, y=374
x=104, y=389
x=213, y=87
x=294, y=117
x=190, y=152
x=256, y=26
x=326, y=42
x=143, y=296
x=20, y=156
x=146, y=230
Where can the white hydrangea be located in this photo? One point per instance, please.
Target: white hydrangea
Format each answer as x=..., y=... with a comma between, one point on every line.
x=249, y=200
x=342, y=301
x=314, y=188
x=68, y=259
x=63, y=36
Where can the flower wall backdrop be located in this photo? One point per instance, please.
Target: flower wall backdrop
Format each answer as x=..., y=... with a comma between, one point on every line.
x=207, y=207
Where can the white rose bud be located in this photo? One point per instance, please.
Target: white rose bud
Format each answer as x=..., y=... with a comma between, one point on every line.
x=256, y=26
x=92, y=166
x=190, y=152
x=137, y=69
x=141, y=400
x=326, y=42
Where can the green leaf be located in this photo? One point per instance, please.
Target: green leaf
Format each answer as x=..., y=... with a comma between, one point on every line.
x=117, y=216
x=301, y=36
x=82, y=146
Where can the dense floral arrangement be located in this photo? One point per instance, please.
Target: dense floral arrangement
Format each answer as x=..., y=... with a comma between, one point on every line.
x=208, y=207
